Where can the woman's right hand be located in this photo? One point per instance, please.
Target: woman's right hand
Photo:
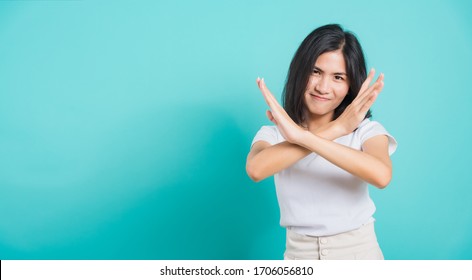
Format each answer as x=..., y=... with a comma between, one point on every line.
x=355, y=113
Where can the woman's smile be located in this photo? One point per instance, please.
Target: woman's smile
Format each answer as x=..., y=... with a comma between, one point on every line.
x=319, y=98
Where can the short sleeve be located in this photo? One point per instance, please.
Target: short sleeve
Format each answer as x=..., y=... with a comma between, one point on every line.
x=268, y=134
x=369, y=129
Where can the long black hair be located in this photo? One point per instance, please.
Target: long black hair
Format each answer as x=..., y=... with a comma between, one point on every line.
x=324, y=39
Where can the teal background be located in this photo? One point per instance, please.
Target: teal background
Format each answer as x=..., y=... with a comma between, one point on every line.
x=124, y=125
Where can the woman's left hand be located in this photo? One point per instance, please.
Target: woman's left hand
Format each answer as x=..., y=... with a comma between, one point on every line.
x=292, y=132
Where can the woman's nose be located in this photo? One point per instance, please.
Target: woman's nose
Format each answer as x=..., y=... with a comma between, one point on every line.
x=322, y=86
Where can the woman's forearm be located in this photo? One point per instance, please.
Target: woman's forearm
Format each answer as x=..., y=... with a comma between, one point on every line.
x=274, y=159
x=278, y=157
x=359, y=163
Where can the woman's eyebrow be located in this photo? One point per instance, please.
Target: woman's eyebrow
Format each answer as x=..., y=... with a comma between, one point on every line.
x=336, y=73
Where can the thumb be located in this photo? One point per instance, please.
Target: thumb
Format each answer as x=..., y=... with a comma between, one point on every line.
x=270, y=116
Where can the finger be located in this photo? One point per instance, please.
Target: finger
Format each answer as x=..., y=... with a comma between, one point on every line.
x=258, y=81
x=377, y=86
x=368, y=98
x=367, y=93
x=380, y=78
x=265, y=92
x=367, y=81
x=369, y=103
x=277, y=113
x=270, y=98
x=270, y=117
x=366, y=89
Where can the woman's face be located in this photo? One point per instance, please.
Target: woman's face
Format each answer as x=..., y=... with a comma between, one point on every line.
x=327, y=85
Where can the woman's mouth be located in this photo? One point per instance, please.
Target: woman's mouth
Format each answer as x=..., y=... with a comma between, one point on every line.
x=319, y=98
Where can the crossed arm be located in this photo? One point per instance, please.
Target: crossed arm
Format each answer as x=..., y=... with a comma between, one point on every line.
x=372, y=164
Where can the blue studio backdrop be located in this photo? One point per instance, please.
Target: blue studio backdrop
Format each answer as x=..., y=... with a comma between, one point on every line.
x=125, y=125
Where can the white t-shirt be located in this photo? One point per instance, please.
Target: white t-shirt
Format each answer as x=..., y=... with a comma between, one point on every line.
x=318, y=198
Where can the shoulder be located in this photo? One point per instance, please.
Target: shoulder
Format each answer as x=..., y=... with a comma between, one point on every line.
x=269, y=129
x=268, y=133
x=366, y=124
x=368, y=129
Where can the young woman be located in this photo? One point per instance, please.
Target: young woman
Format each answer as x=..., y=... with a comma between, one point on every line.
x=324, y=150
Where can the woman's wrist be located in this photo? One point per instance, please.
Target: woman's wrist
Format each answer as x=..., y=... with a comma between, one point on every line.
x=338, y=129
x=331, y=131
x=303, y=138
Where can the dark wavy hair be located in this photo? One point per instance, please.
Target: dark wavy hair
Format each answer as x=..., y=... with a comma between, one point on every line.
x=324, y=39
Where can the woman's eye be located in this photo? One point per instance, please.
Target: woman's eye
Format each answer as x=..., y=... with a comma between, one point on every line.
x=316, y=71
x=339, y=78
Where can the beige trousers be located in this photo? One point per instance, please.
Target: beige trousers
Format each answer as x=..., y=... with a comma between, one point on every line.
x=358, y=244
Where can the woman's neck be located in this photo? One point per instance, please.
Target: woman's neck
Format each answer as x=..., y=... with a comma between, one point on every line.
x=316, y=121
